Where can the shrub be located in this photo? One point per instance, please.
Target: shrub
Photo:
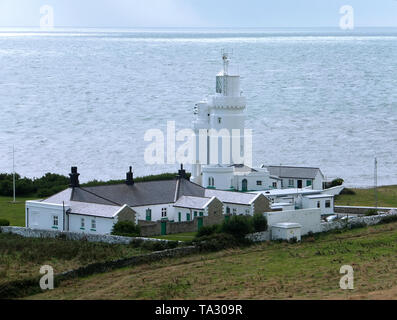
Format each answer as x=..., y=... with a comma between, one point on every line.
x=218, y=241
x=337, y=182
x=159, y=245
x=208, y=230
x=259, y=222
x=238, y=226
x=126, y=229
x=371, y=212
x=4, y=223
x=348, y=191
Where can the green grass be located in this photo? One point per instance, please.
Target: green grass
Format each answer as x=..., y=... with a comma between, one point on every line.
x=188, y=236
x=308, y=270
x=13, y=212
x=387, y=197
x=21, y=258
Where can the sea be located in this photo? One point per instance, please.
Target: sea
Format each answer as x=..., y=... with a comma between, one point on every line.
x=86, y=97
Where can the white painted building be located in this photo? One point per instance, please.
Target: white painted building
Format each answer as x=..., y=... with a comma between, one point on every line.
x=97, y=209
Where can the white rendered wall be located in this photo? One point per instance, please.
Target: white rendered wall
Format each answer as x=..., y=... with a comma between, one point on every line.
x=156, y=212
x=286, y=233
x=312, y=203
x=103, y=225
x=309, y=219
x=39, y=215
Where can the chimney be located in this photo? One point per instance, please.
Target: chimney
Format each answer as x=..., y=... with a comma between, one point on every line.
x=182, y=173
x=130, y=178
x=74, y=178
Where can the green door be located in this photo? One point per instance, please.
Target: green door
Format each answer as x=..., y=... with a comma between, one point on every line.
x=199, y=223
x=163, y=228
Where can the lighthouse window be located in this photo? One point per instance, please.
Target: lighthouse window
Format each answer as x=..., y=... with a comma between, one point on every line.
x=219, y=120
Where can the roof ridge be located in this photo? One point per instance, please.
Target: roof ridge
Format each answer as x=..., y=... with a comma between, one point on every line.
x=294, y=167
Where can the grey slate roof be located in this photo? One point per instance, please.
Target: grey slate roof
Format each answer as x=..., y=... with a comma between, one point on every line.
x=139, y=194
x=243, y=168
x=231, y=196
x=293, y=172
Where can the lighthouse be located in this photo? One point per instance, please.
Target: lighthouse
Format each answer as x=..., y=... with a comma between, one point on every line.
x=219, y=125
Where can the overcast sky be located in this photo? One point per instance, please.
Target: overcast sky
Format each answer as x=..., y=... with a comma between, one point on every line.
x=198, y=13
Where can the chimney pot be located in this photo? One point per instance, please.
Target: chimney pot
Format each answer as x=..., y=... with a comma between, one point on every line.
x=74, y=178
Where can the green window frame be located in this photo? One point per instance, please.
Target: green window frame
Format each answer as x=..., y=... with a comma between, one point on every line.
x=308, y=183
x=201, y=214
x=187, y=216
x=195, y=214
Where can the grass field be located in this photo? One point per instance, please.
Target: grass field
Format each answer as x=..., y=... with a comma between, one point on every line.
x=21, y=258
x=309, y=270
x=387, y=197
x=13, y=212
x=188, y=236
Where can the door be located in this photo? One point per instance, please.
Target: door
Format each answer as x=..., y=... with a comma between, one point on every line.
x=199, y=223
x=245, y=185
x=300, y=184
x=163, y=228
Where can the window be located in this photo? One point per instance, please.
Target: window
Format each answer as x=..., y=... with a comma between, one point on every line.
x=148, y=215
x=259, y=183
x=234, y=211
x=247, y=211
x=201, y=214
x=179, y=216
x=164, y=212
x=275, y=185
x=328, y=204
x=318, y=204
x=82, y=223
x=93, y=224
x=227, y=210
x=195, y=214
x=291, y=183
x=187, y=216
x=308, y=183
x=219, y=120
x=55, y=221
x=211, y=182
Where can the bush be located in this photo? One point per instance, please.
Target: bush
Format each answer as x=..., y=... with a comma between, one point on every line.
x=4, y=223
x=337, y=182
x=259, y=222
x=218, y=241
x=371, y=212
x=238, y=226
x=159, y=245
x=348, y=191
x=126, y=229
x=208, y=230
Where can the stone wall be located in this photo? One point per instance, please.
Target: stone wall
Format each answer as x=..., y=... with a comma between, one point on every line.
x=369, y=221
x=36, y=233
x=359, y=210
x=261, y=205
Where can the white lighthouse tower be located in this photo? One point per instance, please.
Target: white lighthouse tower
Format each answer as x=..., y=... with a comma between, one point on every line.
x=221, y=114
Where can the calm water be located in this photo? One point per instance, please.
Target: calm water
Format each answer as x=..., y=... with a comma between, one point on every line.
x=77, y=97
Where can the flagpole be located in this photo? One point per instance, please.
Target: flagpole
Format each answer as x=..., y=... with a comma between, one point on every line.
x=13, y=172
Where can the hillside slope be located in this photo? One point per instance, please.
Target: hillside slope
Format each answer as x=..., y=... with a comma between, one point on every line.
x=309, y=270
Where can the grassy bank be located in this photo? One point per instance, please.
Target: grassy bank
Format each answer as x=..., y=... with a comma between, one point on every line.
x=387, y=197
x=21, y=258
x=309, y=270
